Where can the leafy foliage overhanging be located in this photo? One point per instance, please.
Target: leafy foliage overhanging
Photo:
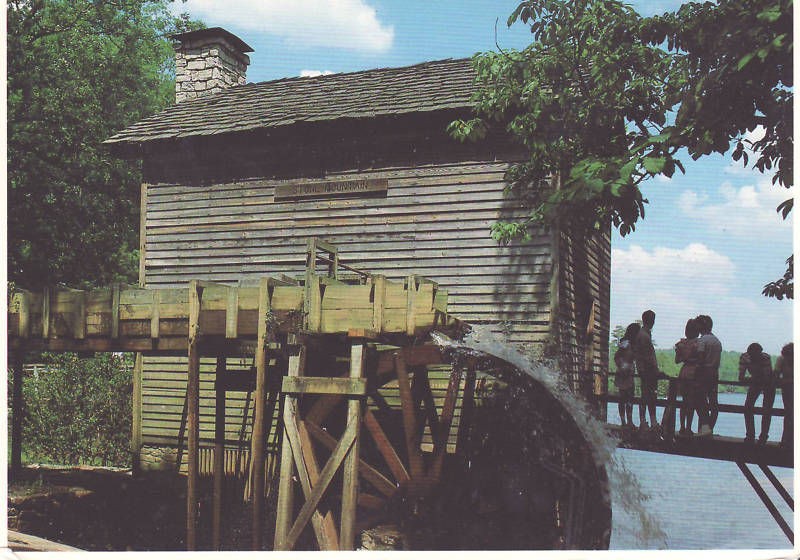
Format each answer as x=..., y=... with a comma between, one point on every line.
x=604, y=99
x=78, y=71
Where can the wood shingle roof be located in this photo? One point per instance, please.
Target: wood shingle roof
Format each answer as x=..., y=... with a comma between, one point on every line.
x=427, y=87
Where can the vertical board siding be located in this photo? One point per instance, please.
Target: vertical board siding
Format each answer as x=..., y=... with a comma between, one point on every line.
x=433, y=221
x=585, y=277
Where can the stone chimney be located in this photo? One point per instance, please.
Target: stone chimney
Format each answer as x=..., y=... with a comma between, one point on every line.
x=208, y=61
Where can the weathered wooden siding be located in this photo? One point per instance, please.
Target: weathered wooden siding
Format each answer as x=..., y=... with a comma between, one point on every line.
x=584, y=281
x=433, y=220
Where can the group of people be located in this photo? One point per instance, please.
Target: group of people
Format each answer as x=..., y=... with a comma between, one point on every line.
x=699, y=354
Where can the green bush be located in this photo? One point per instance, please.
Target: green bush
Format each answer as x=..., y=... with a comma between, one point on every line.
x=78, y=410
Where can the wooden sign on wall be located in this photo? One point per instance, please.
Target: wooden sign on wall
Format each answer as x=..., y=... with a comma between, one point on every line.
x=327, y=189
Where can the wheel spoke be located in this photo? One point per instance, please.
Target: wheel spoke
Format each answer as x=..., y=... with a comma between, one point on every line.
x=385, y=447
x=415, y=460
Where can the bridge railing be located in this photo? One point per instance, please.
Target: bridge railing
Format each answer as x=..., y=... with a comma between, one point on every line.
x=671, y=403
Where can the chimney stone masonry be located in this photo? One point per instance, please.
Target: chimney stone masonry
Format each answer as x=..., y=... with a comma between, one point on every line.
x=208, y=61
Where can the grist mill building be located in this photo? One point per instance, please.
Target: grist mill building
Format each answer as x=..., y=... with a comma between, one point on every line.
x=237, y=178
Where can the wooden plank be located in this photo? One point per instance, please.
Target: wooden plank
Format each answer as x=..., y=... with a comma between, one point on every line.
x=445, y=422
x=115, y=295
x=325, y=385
x=46, y=313
x=232, y=313
x=385, y=447
x=370, y=473
x=415, y=460
x=143, y=235
x=17, y=406
x=378, y=297
x=312, y=501
x=154, y=317
x=350, y=470
x=285, y=505
x=136, y=426
x=193, y=417
x=313, y=303
x=219, y=455
x=258, y=440
x=324, y=525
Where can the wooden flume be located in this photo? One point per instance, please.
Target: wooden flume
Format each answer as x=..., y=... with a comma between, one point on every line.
x=275, y=318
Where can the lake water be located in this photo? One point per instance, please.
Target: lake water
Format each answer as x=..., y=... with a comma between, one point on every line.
x=702, y=503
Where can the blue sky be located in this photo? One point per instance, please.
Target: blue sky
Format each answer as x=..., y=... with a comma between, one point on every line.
x=711, y=238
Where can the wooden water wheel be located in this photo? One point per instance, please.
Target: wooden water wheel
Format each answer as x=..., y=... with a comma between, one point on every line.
x=431, y=469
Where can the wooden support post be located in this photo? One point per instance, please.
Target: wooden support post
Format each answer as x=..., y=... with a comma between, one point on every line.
x=347, y=531
x=136, y=402
x=79, y=324
x=378, y=299
x=154, y=317
x=232, y=313
x=411, y=292
x=415, y=460
x=46, y=313
x=193, y=416
x=115, y=311
x=467, y=404
x=16, y=420
x=258, y=441
x=285, y=506
x=219, y=451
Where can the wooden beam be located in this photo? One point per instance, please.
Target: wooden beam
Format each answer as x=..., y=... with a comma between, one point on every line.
x=324, y=524
x=232, y=313
x=378, y=301
x=445, y=422
x=411, y=293
x=136, y=424
x=325, y=385
x=17, y=404
x=258, y=440
x=385, y=447
x=154, y=317
x=330, y=468
x=143, y=235
x=46, y=313
x=285, y=506
x=115, y=289
x=219, y=453
x=193, y=417
x=350, y=472
x=79, y=315
x=415, y=460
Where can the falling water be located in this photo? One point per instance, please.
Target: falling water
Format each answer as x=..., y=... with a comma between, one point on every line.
x=625, y=488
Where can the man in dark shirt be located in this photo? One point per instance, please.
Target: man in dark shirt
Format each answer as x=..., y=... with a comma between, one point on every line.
x=762, y=380
x=709, y=350
x=647, y=367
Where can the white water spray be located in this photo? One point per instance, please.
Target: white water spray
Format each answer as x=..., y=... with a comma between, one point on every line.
x=625, y=488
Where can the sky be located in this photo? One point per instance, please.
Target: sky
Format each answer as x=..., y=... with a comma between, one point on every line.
x=711, y=238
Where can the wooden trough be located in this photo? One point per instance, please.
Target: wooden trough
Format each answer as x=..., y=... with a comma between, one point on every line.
x=273, y=318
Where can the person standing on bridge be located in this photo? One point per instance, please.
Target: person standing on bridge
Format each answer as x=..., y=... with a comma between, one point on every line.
x=647, y=366
x=623, y=359
x=758, y=363
x=709, y=350
x=784, y=372
x=686, y=354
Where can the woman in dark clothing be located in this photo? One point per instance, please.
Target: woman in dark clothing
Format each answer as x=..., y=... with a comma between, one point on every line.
x=762, y=380
x=686, y=354
x=784, y=372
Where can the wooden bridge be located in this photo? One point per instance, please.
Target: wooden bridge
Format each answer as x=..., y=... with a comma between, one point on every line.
x=717, y=447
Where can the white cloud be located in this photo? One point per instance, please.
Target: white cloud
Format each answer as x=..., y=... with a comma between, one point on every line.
x=682, y=283
x=314, y=73
x=747, y=211
x=344, y=24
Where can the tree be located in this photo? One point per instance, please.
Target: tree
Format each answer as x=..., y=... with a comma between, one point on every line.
x=604, y=99
x=78, y=71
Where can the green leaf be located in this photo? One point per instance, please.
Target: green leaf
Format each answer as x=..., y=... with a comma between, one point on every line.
x=654, y=165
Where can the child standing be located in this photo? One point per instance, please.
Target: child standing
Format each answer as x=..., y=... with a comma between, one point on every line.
x=686, y=353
